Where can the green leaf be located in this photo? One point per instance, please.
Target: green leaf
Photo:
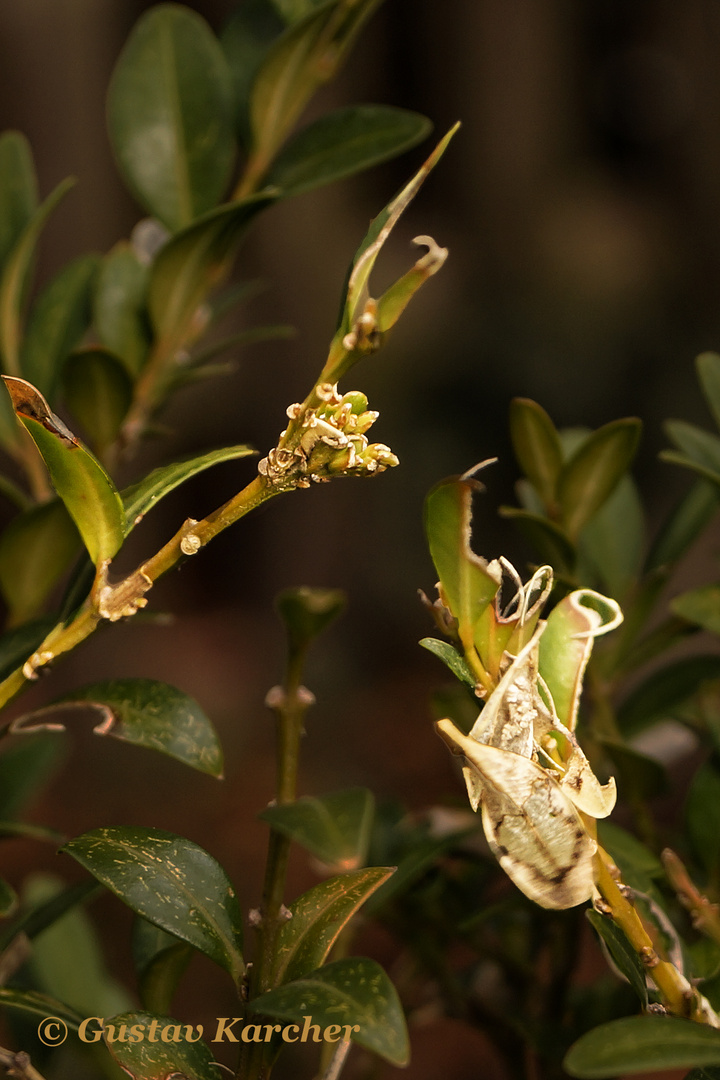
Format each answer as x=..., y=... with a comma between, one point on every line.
x=305, y=56
x=537, y=447
x=58, y=320
x=47, y=912
x=83, y=485
x=157, y=1059
x=155, y=715
x=637, y=772
x=306, y=612
x=16, y=645
x=25, y=765
x=8, y=899
x=684, y=525
x=317, y=917
x=642, y=1044
x=160, y=961
x=590, y=476
x=14, y=280
x=66, y=959
x=622, y=953
x=701, y=447
x=98, y=392
x=119, y=313
x=665, y=691
x=171, y=882
x=334, y=828
x=451, y=658
x=700, y=606
x=466, y=582
x=143, y=496
x=246, y=38
x=354, y=991
x=614, y=541
x=170, y=115
x=36, y=548
x=380, y=228
x=18, y=189
x=708, y=371
x=32, y=1003
x=294, y=10
x=193, y=261
x=548, y=539
x=702, y=817
x=345, y=142
x=637, y=863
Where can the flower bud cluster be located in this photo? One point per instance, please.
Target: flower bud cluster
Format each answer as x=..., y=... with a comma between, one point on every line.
x=332, y=441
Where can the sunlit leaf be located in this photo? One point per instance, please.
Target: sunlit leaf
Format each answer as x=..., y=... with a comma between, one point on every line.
x=83, y=485
x=345, y=142
x=57, y=322
x=334, y=828
x=642, y=1044
x=36, y=548
x=355, y=992
x=158, y=1059
x=171, y=882
x=147, y=493
x=317, y=917
x=170, y=115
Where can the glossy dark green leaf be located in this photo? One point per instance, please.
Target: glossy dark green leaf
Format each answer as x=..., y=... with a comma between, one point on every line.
x=25, y=765
x=613, y=542
x=176, y=1057
x=549, y=541
x=160, y=962
x=343, y=143
x=171, y=882
x=36, y=549
x=354, y=992
x=307, y=611
x=155, y=715
x=467, y=585
x=684, y=525
x=594, y=470
x=57, y=322
x=147, y=493
x=537, y=446
x=8, y=899
x=170, y=115
x=67, y=960
x=98, y=392
x=708, y=370
x=334, y=828
x=642, y=1044
x=305, y=56
x=119, y=311
x=665, y=690
x=245, y=39
x=14, y=280
x=193, y=261
x=702, y=817
x=451, y=658
x=18, y=189
x=39, y=1006
x=81, y=482
x=622, y=952
x=700, y=606
x=317, y=917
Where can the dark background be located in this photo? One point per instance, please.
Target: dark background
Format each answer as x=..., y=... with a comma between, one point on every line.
x=581, y=205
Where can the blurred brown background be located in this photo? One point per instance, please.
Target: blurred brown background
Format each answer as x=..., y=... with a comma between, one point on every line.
x=581, y=205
